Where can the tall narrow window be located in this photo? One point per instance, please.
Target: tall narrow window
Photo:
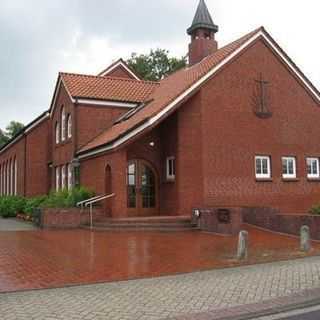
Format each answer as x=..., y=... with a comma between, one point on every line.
x=171, y=168
x=57, y=133
x=289, y=167
x=15, y=176
x=63, y=124
x=70, y=183
x=11, y=177
x=57, y=178
x=263, y=167
x=63, y=177
x=8, y=178
x=69, y=126
x=0, y=180
x=313, y=168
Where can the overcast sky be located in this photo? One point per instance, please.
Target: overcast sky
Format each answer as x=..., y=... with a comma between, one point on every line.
x=39, y=38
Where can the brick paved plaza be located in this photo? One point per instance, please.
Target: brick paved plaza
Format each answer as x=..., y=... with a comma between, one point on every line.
x=47, y=259
x=166, y=297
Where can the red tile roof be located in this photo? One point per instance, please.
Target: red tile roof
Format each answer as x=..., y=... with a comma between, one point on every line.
x=169, y=89
x=107, y=88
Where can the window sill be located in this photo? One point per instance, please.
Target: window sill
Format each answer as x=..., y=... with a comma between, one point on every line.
x=170, y=180
x=264, y=180
x=290, y=179
x=313, y=179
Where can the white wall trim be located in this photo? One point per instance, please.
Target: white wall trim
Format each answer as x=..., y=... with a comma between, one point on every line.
x=196, y=85
x=120, y=63
x=53, y=105
x=107, y=103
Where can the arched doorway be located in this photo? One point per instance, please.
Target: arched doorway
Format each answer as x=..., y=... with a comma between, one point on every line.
x=142, y=189
x=108, y=190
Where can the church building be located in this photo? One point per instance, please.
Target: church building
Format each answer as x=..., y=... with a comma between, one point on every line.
x=235, y=128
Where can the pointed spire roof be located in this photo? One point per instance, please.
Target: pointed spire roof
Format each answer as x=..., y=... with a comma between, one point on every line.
x=202, y=19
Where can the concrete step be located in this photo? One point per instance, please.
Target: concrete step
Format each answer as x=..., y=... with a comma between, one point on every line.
x=146, y=229
x=166, y=224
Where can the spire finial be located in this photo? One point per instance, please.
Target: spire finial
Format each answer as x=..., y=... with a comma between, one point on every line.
x=202, y=19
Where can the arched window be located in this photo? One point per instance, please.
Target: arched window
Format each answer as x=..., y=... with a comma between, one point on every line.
x=11, y=177
x=69, y=121
x=15, y=177
x=70, y=182
x=57, y=178
x=57, y=133
x=8, y=178
x=0, y=179
x=63, y=177
x=63, y=124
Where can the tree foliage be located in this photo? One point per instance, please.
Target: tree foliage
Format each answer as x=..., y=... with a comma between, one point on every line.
x=12, y=129
x=156, y=65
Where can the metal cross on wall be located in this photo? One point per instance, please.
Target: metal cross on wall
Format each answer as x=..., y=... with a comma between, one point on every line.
x=262, y=108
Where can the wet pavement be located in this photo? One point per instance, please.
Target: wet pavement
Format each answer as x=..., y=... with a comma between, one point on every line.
x=47, y=259
x=15, y=225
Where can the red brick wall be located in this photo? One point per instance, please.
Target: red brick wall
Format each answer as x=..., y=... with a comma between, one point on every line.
x=271, y=219
x=93, y=120
x=232, y=135
x=68, y=218
x=169, y=195
x=92, y=175
x=37, y=159
x=63, y=152
x=120, y=72
x=17, y=150
x=189, y=156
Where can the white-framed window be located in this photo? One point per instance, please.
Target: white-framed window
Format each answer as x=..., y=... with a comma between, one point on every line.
x=313, y=168
x=0, y=179
x=171, y=168
x=289, y=167
x=63, y=177
x=57, y=133
x=15, y=177
x=70, y=182
x=263, y=167
x=63, y=124
x=8, y=178
x=11, y=177
x=69, y=126
x=57, y=178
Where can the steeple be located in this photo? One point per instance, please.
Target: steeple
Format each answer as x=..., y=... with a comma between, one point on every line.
x=202, y=32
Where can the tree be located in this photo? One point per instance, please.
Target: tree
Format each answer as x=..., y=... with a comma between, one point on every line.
x=3, y=138
x=156, y=65
x=13, y=128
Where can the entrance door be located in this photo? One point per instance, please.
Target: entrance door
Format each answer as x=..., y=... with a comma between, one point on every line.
x=142, y=184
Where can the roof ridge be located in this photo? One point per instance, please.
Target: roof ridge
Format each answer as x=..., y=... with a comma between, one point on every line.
x=108, y=77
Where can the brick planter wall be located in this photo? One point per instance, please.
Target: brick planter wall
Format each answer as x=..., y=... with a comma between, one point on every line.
x=209, y=221
x=68, y=218
x=271, y=219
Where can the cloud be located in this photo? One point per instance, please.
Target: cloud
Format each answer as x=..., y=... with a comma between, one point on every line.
x=40, y=38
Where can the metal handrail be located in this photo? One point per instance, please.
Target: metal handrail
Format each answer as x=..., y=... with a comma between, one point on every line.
x=81, y=203
x=90, y=203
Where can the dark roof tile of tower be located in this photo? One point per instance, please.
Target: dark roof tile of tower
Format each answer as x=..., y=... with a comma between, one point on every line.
x=202, y=19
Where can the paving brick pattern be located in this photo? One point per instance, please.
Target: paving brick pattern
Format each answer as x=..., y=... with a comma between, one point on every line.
x=166, y=297
x=49, y=259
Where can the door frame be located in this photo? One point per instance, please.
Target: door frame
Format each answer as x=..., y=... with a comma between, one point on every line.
x=139, y=211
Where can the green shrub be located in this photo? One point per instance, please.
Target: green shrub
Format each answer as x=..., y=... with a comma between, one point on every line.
x=67, y=198
x=33, y=203
x=10, y=206
x=315, y=210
